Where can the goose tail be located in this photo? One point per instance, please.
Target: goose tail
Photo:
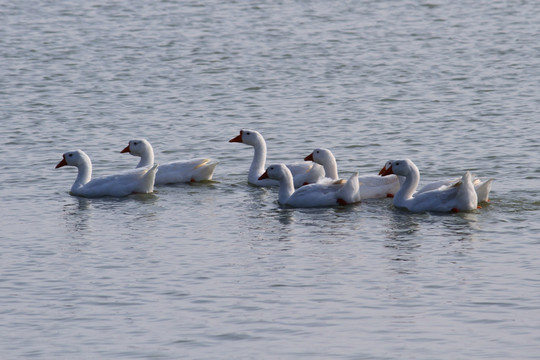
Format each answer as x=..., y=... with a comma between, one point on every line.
x=350, y=192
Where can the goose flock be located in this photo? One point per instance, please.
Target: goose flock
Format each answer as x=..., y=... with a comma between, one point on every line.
x=312, y=183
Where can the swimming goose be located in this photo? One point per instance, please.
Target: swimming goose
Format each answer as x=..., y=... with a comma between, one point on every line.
x=371, y=186
x=303, y=173
x=482, y=187
x=340, y=192
x=459, y=196
x=122, y=184
x=173, y=172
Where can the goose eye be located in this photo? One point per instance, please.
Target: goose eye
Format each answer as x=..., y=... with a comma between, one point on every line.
x=397, y=164
x=70, y=155
x=247, y=133
x=135, y=143
x=317, y=151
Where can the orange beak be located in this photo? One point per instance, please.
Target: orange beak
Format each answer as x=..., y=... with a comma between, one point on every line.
x=238, y=138
x=264, y=176
x=386, y=171
x=126, y=149
x=61, y=163
x=309, y=157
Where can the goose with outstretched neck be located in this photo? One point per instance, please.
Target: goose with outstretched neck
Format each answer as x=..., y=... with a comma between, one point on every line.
x=303, y=173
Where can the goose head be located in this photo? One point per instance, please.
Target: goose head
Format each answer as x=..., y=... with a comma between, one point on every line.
x=398, y=167
x=321, y=156
x=248, y=137
x=137, y=147
x=385, y=168
x=276, y=172
x=73, y=158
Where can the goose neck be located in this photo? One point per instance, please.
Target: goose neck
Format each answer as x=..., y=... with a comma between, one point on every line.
x=259, y=158
x=286, y=186
x=408, y=187
x=84, y=174
x=330, y=168
x=147, y=157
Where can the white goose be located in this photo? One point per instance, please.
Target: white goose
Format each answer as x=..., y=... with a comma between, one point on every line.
x=482, y=188
x=303, y=173
x=139, y=181
x=459, y=196
x=340, y=192
x=371, y=186
x=172, y=172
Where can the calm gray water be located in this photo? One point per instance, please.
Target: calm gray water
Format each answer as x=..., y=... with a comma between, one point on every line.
x=219, y=270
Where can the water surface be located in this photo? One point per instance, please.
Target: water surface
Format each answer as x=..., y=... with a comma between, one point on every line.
x=218, y=270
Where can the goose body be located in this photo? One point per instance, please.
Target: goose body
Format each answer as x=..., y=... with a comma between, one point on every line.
x=340, y=192
x=482, y=187
x=139, y=181
x=303, y=173
x=173, y=172
x=371, y=186
x=459, y=196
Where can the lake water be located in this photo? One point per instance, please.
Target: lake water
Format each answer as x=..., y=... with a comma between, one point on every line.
x=218, y=270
